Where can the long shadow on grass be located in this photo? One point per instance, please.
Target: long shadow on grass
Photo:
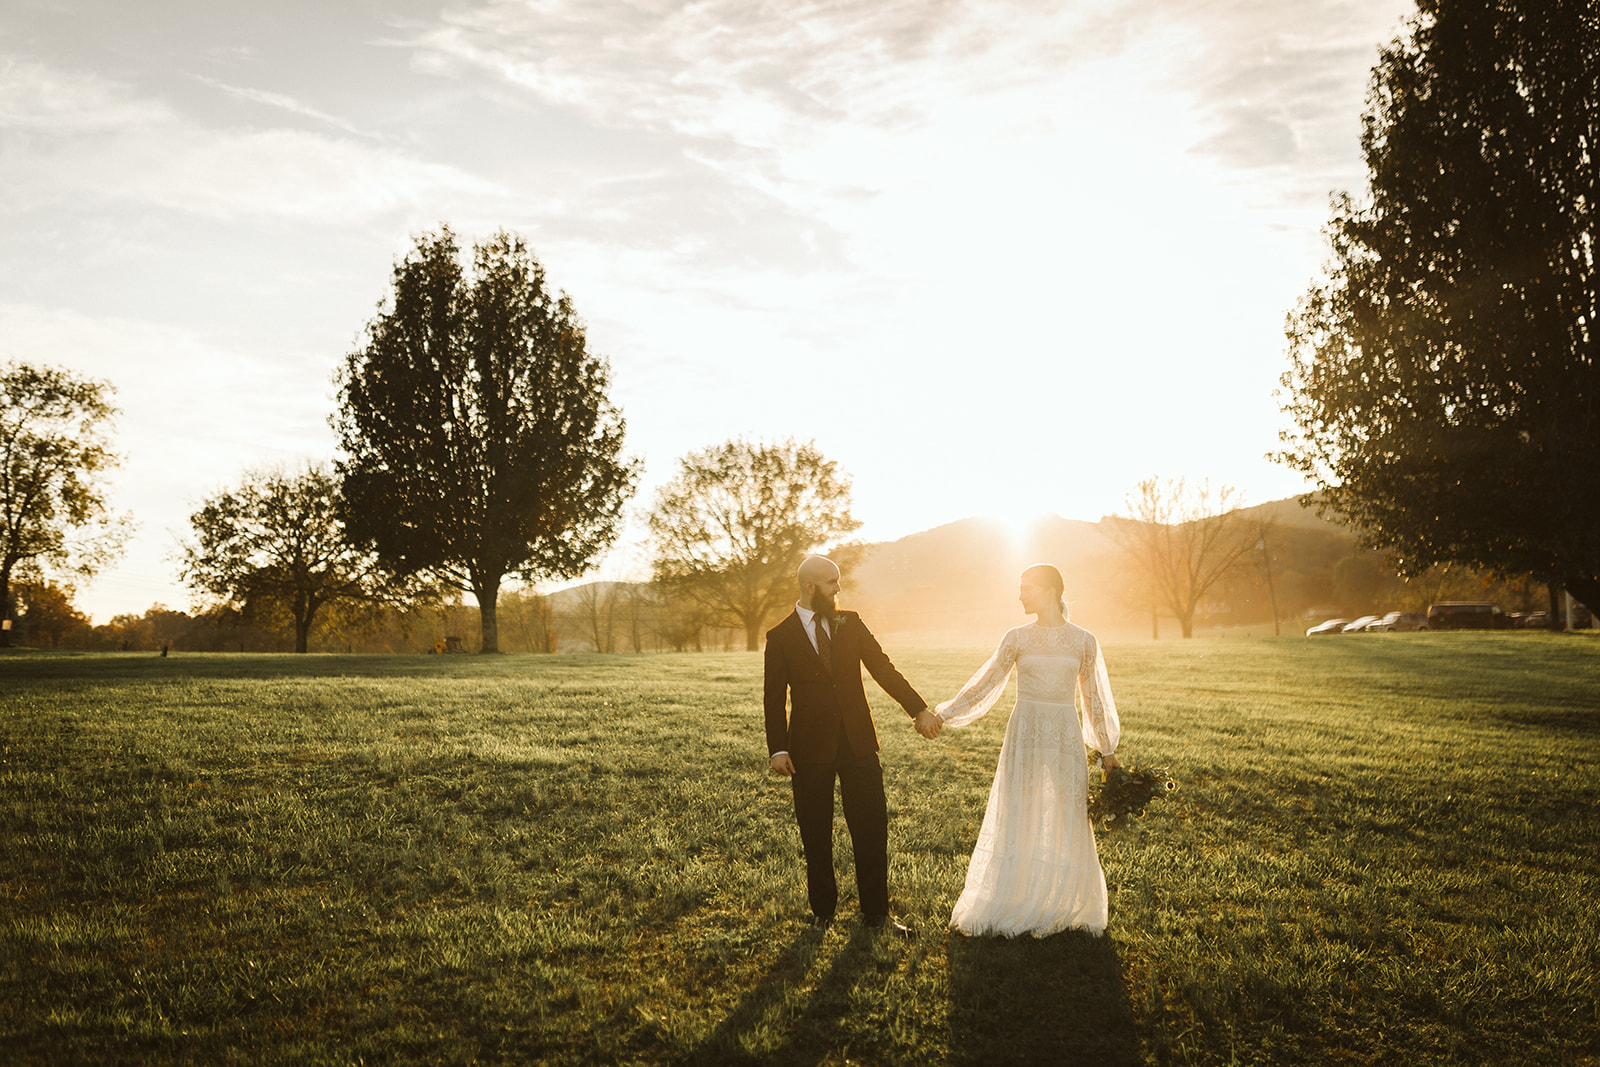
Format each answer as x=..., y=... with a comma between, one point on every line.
x=788, y=971
x=818, y=1033
x=814, y=1035
x=1056, y=1000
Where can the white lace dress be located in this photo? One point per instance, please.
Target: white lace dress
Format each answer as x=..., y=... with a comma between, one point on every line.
x=1035, y=869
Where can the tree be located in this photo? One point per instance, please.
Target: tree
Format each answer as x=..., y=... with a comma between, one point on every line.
x=531, y=616
x=1182, y=540
x=47, y=616
x=676, y=623
x=158, y=627
x=54, y=453
x=597, y=604
x=478, y=438
x=732, y=527
x=279, y=538
x=1445, y=381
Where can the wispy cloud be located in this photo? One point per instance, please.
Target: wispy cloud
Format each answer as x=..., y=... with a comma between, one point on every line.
x=1273, y=83
x=752, y=73
x=39, y=99
x=74, y=137
x=1267, y=84
x=289, y=173
x=758, y=129
x=280, y=101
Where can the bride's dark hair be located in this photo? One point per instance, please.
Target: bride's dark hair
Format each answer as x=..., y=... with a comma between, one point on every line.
x=1047, y=576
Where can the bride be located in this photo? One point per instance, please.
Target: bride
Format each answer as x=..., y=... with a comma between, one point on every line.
x=1035, y=869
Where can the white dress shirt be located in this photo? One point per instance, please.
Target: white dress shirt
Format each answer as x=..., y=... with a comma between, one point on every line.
x=808, y=620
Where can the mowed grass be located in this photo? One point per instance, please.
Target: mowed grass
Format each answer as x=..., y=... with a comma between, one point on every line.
x=1384, y=850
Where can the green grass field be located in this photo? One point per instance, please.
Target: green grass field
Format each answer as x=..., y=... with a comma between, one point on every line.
x=1383, y=850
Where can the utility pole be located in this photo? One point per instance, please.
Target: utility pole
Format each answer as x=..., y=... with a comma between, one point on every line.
x=1272, y=591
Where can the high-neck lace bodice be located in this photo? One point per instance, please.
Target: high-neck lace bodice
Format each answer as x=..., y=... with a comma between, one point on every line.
x=1054, y=665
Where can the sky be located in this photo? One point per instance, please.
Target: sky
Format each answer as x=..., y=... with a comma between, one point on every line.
x=993, y=258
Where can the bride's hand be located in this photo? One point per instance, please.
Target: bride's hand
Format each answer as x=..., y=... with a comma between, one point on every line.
x=928, y=723
x=1109, y=763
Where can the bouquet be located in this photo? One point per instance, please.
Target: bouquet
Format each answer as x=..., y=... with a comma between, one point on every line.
x=1124, y=792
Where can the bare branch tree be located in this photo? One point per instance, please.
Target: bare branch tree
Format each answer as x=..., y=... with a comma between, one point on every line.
x=597, y=604
x=1184, y=539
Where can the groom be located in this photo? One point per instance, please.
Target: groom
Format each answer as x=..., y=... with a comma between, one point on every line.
x=814, y=659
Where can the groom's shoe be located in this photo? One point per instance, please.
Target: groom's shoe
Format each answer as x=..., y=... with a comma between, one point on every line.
x=884, y=925
x=820, y=922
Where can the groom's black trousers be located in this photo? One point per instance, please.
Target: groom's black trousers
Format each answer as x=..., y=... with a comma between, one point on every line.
x=865, y=813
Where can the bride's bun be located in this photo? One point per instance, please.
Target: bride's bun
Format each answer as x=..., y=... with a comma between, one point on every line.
x=1043, y=574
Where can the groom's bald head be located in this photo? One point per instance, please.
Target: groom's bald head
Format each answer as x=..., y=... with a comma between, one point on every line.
x=819, y=584
x=817, y=570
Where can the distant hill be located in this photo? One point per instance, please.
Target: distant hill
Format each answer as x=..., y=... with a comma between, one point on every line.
x=956, y=585
x=1289, y=512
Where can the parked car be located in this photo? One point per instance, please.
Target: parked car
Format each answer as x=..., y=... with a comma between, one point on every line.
x=1582, y=618
x=1332, y=626
x=1401, y=620
x=1361, y=624
x=1466, y=615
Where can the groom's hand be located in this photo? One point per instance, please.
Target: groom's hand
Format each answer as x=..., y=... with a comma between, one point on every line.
x=782, y=764
x=928, y=723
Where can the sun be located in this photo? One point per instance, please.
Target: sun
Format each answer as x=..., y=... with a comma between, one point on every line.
x=1020, y=528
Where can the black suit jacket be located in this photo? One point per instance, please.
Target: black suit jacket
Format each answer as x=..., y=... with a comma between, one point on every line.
x=819, y=702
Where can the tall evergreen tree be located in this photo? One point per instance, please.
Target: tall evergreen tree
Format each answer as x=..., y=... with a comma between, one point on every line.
x=478, y=437
x=1445, y=382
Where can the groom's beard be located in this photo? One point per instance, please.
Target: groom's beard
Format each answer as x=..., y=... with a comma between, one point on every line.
x=823, y=604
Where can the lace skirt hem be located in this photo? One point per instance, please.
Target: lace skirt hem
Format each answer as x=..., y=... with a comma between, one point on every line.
x=995, y=928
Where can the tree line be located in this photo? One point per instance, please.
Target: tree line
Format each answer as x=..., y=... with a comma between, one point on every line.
x=477, y=444
x=612, y=617
x=1443, y=385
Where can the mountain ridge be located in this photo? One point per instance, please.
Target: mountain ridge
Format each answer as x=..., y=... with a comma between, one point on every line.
x=955, y=584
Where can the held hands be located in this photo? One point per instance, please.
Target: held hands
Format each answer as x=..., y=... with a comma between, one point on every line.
x=927, y=723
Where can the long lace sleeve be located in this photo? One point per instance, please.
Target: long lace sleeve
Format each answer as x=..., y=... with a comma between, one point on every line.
x=982, y=689
x=1101, y=728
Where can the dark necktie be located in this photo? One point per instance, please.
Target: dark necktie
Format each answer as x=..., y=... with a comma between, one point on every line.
x=824, y=645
